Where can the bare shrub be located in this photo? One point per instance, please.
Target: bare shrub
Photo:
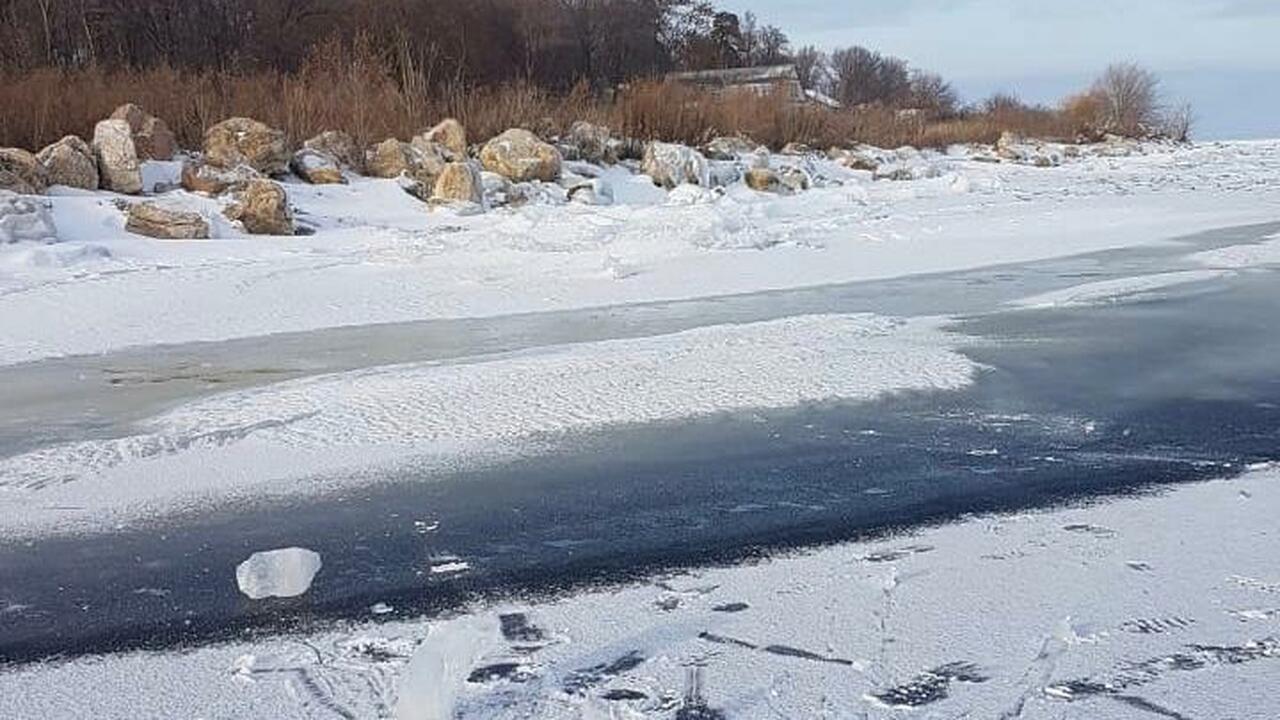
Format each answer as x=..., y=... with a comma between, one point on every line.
x=1178, y=123
x=1131, y=100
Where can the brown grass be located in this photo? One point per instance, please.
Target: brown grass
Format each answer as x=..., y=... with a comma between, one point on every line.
x=356, y=91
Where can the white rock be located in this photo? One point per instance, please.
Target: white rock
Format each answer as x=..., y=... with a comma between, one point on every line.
x=671, y=165
x=287, y=572
x=23, y=218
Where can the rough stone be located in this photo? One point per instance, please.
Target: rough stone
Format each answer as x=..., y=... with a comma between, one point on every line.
x=316, y=167
x=21, y=172
x=520, y=156
x=244, y=141
x=157, y=221
x=118, y=166
x=152, y=138
x=459, y=182
x=670, y=165
x=262, y=207
x=70, y=162
x=451, y=135
x=339, y=146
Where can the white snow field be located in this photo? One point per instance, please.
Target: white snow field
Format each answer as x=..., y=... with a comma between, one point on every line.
x=255, y=441
x=1165, y=604
x=378, y=255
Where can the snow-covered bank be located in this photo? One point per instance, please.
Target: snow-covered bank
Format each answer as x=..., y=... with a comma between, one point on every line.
x=378, y=255
x=256, y=441
x=1129, y=608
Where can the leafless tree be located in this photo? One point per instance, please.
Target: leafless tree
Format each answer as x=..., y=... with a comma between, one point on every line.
x=1130, y=97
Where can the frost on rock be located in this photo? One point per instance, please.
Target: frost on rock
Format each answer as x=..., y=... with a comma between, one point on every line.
x=24, y=218
x=287, y=572
x=672, y=165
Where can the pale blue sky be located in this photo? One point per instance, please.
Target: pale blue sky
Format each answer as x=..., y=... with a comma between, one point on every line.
x=1223, y=56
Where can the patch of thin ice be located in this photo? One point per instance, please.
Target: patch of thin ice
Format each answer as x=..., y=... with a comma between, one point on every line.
x=1118, y=290
x=234, y=441
x=1045, y=612
x=1240, y=257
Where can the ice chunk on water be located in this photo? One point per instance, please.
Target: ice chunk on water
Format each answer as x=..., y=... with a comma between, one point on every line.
x=286, y=572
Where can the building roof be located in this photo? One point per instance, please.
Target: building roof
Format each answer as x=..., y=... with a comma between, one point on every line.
x=737, y=76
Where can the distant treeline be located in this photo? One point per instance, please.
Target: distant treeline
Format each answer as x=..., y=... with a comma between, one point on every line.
x=386, y=66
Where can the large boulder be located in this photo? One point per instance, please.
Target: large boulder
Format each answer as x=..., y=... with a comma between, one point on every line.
x=459, y=182
x=339, y=146
x=316, y=167
x=118, y=166
x=25, y=219
x=390, y=158
x=21, y=172
x=520, y=156
x=670, y=165
x=204, y=178
x=152, y=138
x=450, y=135
x=419, y=163
x=244, y=141
x=70, y=162
x=262, y=207
x=168, y=223
x=592, y=143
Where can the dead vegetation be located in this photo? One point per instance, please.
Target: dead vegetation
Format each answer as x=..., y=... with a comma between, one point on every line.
x=357, y=88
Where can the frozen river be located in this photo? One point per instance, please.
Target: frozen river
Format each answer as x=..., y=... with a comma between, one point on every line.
x=1165, y=386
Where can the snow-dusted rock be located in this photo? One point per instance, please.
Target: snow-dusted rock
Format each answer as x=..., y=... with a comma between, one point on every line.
x=784, y=181
x=671, y=165
x=762, y=179
x=282, y=573
x=25, y=219
x=388, y=159
x=244, y=141
x=262, y=207
x=596, y=191
x=419, y=163
x=339, y=146
x=169, y=223
x=203, y=178
x=591, y=143
x=451, y=135
x=1015, y=148
x=520, y=156
x=688, y=194
x=496, y=189
x=21, y=172
x=427, y=159
x=728, y=147
x=118, y=166
x=856, y=158
x=794, y=179
x=459, y=182
x=70, y=162
x=152, y=138
x=316, y=167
